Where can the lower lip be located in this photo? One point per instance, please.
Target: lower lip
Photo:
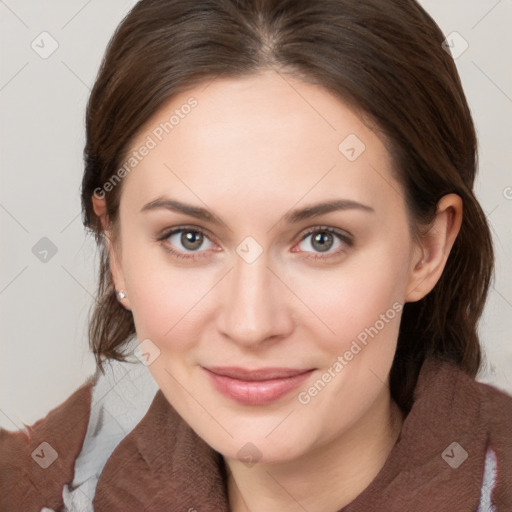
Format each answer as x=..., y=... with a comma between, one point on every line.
x=256, y=392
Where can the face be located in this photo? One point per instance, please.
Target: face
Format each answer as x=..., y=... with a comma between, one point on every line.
x=271, y=322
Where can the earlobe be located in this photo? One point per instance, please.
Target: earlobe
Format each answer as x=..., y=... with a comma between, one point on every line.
x=117, y=272
x=430, y=258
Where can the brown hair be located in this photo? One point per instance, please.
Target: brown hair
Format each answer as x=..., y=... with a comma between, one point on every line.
x=384, y=58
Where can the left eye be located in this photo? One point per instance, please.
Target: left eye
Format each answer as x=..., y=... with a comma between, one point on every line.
x=323, y=240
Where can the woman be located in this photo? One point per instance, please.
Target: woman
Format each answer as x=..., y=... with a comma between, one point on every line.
x=282, y=192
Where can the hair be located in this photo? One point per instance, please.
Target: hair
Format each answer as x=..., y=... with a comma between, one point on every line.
x=385, y=59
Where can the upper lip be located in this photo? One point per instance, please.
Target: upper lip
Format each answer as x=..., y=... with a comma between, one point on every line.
x=255, y=375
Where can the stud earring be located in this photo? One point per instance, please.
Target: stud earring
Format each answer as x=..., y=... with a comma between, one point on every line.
x=121, y=294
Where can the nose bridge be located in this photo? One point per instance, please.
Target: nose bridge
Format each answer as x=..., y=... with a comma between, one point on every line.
x=253, y=310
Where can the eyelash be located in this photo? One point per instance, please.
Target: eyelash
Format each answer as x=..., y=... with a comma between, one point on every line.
x=344, y=238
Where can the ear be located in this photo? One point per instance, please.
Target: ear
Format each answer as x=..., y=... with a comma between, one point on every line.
x=100, y=208
x=431, y=254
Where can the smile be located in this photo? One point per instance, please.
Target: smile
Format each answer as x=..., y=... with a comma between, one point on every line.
x=256, y=387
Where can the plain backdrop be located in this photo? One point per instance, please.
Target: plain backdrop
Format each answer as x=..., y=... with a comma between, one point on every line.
x=44, y=353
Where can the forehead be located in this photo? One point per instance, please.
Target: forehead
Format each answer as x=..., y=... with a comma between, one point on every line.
x=269, y=135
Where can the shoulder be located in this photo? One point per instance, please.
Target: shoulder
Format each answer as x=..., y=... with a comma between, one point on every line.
x=495, y=405
x=479, y=415
x=493, y=397
x=35, y=462
x=496, y=414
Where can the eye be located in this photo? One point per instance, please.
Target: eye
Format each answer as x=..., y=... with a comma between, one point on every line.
x=325, y=240
x=187, y=240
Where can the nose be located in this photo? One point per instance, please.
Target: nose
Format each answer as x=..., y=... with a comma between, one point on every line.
x=256, y=306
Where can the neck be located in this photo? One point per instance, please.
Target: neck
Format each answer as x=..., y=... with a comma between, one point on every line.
x=327, y=478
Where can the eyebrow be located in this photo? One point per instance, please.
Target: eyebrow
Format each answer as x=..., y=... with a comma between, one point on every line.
x=294, y=216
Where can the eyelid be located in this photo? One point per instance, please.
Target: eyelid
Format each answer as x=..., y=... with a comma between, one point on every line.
x=166, y=233
x=345, y=235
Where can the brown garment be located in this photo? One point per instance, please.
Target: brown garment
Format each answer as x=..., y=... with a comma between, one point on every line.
x=162, y=465
x=24, y=485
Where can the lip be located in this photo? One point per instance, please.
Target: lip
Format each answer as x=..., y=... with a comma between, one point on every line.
x=256, y=387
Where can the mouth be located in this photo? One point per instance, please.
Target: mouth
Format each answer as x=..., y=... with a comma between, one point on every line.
x=256, y=387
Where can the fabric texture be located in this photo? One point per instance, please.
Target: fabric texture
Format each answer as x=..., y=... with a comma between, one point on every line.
x=489, y=481
x=120, y=399
x=122, y=447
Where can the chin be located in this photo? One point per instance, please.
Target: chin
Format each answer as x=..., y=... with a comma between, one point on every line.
x=251, y=453
x=254, y=445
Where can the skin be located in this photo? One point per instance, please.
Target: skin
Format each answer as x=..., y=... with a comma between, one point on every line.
x=252, y=150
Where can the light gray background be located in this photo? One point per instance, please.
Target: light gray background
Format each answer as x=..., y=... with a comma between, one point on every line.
x=44, y=353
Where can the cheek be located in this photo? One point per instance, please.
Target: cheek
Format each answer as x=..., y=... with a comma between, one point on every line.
x=364, y=294
x=167, y=301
